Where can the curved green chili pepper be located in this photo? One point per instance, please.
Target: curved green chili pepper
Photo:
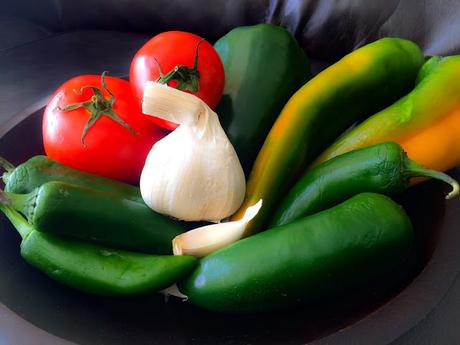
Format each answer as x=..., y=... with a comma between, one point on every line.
x=96, y=269
x=41, y=169
x=382, y=168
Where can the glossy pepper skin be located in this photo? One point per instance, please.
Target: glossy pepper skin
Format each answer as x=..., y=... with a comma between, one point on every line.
x=306, y=261
x=96, y=269
x=383, y=168
x=100, y=217
x=40, y=169
x=368, y=79
x=426, y=122
x=264, y=65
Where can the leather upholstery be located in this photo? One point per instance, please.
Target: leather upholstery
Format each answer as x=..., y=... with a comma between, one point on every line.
x=31, y=71
x=326, y=28
x=44, y=42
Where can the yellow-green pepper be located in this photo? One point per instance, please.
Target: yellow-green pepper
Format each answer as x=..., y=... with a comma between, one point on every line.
x=361, y=83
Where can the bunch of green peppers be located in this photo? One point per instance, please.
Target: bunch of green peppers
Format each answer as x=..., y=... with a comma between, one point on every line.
x=89, y=232
x=328, y=234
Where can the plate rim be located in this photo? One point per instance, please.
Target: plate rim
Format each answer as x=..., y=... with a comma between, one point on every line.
x=430, y=286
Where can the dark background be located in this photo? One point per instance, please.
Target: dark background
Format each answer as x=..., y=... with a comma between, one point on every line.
x=43, y=43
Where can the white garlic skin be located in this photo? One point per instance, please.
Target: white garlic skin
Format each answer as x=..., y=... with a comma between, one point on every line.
x=207, y=239
x=194, y=173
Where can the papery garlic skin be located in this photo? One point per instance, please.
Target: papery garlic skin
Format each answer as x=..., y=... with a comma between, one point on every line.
x=207, y=239
x=193, y=173
x=173, y=290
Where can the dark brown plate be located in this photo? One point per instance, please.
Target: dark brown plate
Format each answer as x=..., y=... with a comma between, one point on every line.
x=37, y=310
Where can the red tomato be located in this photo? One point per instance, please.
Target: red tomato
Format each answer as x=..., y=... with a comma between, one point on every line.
x=173, y=48
x=109, y=149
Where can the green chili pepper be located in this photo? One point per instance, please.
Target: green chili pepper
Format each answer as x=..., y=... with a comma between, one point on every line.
x=382, y=168
x=364, y=81
x=264, y=65
x=96, y=269
x=311, y=259
x=40, y=169
x=93, y=215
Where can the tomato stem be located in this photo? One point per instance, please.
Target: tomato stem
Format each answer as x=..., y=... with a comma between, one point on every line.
x=188, y=78
x=98, y=106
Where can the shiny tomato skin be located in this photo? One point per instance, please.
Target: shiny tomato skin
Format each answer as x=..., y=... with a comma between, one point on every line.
x=172, y=48
x=109, y=149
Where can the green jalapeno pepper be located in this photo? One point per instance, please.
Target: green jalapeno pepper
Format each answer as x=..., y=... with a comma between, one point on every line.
x=93, y=215
x=40, y=169
x=364, y=81
x=382, y=168
x=310, y=259
x=96, y=269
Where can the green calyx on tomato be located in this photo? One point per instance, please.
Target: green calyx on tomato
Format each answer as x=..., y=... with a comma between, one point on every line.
x=171, y=50
x=98, y=106
x=109, y=149
x=188, y=79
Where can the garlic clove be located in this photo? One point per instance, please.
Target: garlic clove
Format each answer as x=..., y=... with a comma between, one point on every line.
x=204, y=240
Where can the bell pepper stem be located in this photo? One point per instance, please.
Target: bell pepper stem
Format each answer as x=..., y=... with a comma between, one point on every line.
x=414, y=169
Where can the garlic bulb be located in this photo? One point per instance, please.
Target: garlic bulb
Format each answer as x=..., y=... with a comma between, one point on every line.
x=193, y=173
x=202, y=241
